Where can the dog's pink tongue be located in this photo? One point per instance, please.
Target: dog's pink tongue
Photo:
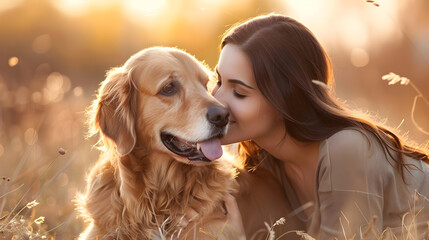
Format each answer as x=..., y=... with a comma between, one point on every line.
x=212, y=148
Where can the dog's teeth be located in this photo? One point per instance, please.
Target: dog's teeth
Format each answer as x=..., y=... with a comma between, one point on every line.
x=198, y=146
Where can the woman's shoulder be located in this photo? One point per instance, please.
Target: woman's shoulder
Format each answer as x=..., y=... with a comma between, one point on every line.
x=349, y=138
x=350, y=144
x=350, y=155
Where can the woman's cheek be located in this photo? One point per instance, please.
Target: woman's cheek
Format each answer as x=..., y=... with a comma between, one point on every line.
x=245, y=112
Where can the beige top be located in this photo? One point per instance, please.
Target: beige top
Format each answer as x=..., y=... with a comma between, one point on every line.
x=356, y=181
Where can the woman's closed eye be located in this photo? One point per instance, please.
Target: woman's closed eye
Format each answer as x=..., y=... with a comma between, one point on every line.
x=234, y=91
x=234, y=82
x=238, y=95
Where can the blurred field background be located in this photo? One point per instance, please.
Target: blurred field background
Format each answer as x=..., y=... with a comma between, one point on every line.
x=54, y=53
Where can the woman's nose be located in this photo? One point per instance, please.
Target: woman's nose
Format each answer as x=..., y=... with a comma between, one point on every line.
x=218, y=94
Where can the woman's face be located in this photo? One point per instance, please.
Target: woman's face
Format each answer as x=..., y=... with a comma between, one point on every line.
x=251, y=115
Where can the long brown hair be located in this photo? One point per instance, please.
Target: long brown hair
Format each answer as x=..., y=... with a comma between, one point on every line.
x=287, y=60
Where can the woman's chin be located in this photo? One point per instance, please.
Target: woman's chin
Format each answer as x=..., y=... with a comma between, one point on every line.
x=231, y=139
x=225, y=140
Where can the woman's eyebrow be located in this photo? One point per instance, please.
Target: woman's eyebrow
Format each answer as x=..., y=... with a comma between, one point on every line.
x=236, y=81
x=239, y=82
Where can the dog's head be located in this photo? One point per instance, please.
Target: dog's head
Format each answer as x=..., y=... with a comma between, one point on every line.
x=159, y=100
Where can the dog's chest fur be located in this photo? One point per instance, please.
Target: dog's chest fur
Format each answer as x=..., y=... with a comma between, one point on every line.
x=157, y=191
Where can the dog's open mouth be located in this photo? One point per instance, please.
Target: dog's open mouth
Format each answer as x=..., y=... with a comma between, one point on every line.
x=205, y=151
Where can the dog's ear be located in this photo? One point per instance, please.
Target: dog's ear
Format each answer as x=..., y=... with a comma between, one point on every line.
x=116, y=110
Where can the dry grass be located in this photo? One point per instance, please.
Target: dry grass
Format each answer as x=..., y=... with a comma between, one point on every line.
x=393, y=79
x=21, y=219
x=35, y=121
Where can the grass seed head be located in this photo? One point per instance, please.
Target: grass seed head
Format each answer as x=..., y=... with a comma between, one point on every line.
x=39, y=220
x=32, y=204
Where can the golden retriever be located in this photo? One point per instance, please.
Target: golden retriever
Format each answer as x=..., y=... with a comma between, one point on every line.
x=160, y=131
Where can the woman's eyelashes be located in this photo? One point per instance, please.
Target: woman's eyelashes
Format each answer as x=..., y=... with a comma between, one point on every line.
x=238, y=95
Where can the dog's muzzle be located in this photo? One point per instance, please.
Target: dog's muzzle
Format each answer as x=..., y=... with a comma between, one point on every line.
x=206, y=150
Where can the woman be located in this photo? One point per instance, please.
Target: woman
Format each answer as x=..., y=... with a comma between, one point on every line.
x=345, y=176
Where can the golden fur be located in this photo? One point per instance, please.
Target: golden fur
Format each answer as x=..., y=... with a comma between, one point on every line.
x=138, y=189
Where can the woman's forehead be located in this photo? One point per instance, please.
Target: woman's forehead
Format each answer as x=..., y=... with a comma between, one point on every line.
x=235, y=64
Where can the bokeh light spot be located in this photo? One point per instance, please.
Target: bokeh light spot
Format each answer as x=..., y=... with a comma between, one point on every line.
x=54, y=82
x=66, y=83
x=13, y=61
x=359, y=57
x=78, y=91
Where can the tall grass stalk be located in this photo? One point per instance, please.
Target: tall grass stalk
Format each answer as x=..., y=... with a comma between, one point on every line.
x=14, y=224
x=394, y=78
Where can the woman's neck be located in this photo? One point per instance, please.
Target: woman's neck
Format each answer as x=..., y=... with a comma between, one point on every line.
x=299, y=161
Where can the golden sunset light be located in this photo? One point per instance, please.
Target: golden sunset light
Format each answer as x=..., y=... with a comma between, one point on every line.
x=54, y=55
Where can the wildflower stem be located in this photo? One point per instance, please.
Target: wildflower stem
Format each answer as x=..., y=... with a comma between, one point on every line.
x=293, y=231
x=7, y=222
x=11, y=191
x=413, y=120
x=419, y=95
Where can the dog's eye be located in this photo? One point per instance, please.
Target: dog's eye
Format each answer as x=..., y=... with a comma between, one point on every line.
x=169, y=89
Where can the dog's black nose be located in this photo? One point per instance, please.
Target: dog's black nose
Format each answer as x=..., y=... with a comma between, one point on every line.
x=217, y=115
